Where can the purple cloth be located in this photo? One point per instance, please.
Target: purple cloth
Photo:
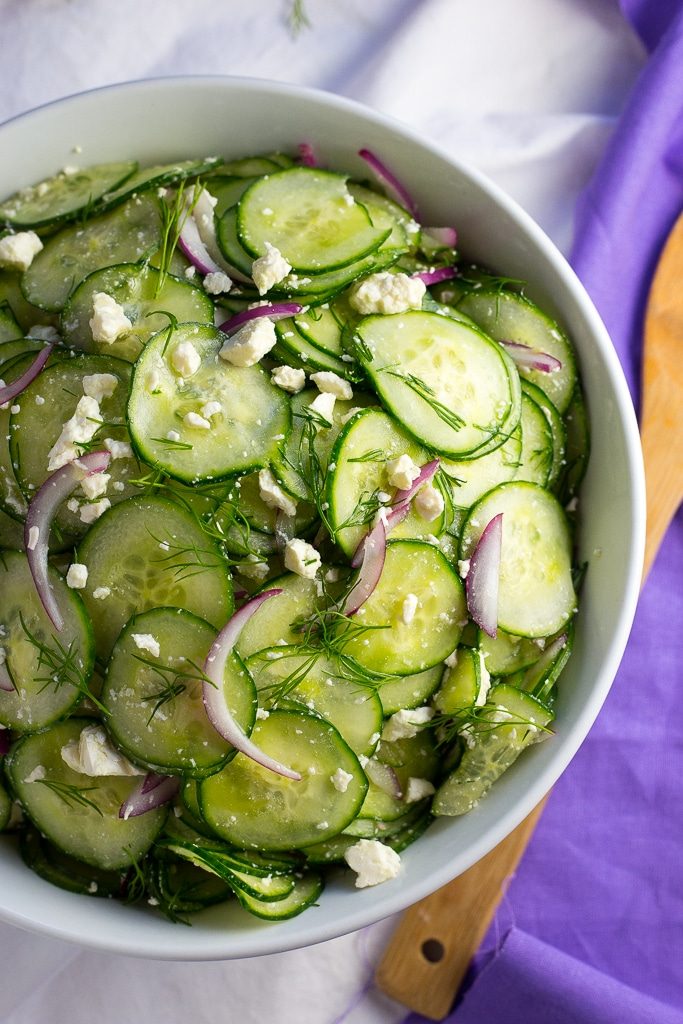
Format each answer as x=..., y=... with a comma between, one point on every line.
x=598, y=900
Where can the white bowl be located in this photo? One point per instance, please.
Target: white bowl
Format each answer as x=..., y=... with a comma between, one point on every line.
x=163, y=120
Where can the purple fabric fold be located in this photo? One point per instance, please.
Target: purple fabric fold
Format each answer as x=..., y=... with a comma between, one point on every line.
x=597, y=900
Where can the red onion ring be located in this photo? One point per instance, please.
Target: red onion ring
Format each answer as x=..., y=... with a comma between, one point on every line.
x=273, y=310
x=198, y=241
x=448, y=237
x=192, y=246
x=6, y=683
x=390, y=183
x=153, y=791
x=5, y=742
x=306, y=155
x=530, y=358
x=436, y=276
x=400, y=507
x=41, y=512
x=374, y=553
x=10, y=391
x=213, y=693
x=481, y=584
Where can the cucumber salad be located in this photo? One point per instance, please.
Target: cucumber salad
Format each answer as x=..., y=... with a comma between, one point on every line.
x=287, y=501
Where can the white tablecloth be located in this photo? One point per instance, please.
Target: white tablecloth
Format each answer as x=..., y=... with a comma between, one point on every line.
x=527, y=91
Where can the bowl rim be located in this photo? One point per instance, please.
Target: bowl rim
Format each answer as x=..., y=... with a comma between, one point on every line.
x=262, y=941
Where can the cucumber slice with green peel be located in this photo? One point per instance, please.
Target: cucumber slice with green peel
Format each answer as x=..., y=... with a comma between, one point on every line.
x=227, y=190
x=472, y=478
x=306, y=892
x=212, y=858
x=250, y=806
x=156, y=713
x=538, y=451
x=450, y=386
x=509, y=722
x=5, y=808
x=50, y=671
x=142, y=293
x=27, y=316
x=535, y=590
x=159, y=176
x=577, y=430
x=413, y=758
x=185, y=888
x=540, y=678
x=556, y=459
x=124, y=235
x=11, y=533
x=409, y=691
x=321, y=327
x=384, y=213
x=251, y=166
x=291, y=342
x=60, y=385
x=506, y=654
x=397, y=648
x=461, y=684
x=305, y=214
x=242, y=436
x=324, y=685
x=398, y=834
x=358, y=485
x=506, y=316
x=76, y=812
x=274, y=622
x=12, y=500
x=67, y=872
x=9, y=328
x=9, y=350
x=64, y=196
x=167, y=560
x=246, y=493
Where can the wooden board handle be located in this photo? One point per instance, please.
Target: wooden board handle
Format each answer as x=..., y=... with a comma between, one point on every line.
x=428, y=955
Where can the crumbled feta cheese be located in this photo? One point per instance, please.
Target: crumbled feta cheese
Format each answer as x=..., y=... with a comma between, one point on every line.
x=93, y=754
x=463, y=567
x=262, y=714
x=15, y=409
x=73, y=505
x=484, y=681
x=402, y=472
x=302, y=558
x=109, y=320
x=153, y=380
x=217, y=283
x=146, y=642
x=373, y=862
x=251, y=343
x=452, y=659
x=429, y=502
x=95, y=485
x=172, y=435
x=44, y=332
x=101, y=593
x=118, y=449
x=330, y=383
x=211, y=409
x=253, y=568
x=289, y=379
x=185, y=359
x=350, y=414
x=190, y=272
x=89, y=513
x=418, y=789
x=81, y=427
x=37, y=775
x=100, y=385
x=17, y=251
x=118, y=485
x=387, y=293
x=269, y=269
x=409, y=608
x=193, y=419
x=39, y=400
x=323, y=406
x=340, y=780
x=33, y=535
x=406, y=723
x=272, y=494
x=77, y=576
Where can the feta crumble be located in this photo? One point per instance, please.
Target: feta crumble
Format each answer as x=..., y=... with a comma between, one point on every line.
x=387, y=293
x=272, y=494
x=109, y=320
x=37, y=775
x=429, y=502
x=323, y=406
x=100, y=385
x=81, y=427
x=269, y=269
x=217, y=283
x=146, y=642
x=101, y=593
x=302, y=558
x=185, y=360
x=33, y=537
x=340, y=780
x=409, y=608
x=330, y=383
x=289, y=379
x=251, y=343
x=93, y=754
x=211, y=409
x=77, y=576
x=402, y=472
x=17, y=251
x=193, y=419
x=118, y=449
x=89, y=513
x=95, y=485
x=406, y=723
x=418, y=789
x=373, y=862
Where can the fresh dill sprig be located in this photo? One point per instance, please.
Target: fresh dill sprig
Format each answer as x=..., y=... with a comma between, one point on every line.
x=134, y=883
x=168, y=692
x=364, y=511
x=173, y=446
x=72, y=795
x=173, y=217
x=61, y=663
x=480, y=720
x=297, y=17
x=361, y=349
x=374, y=455
x=185, y=560
x=170, y=330
x=427, y=393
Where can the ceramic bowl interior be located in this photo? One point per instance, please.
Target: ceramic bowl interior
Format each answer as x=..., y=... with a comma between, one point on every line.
x=162, y=120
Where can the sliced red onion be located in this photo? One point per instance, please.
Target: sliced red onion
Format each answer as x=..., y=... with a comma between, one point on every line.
x=389, y=182
x=429, y=277
x=384, y=777
x=306, y=155
x=400, y=507
x=213, y=692
x=374, y=553
x=41, y=512
x=285, y=530
x=191, y=245
x=240, y=594
x=151, y=792
x=482, y=580
x=10, y=391
x=273, y=310
x=6, y=683
x=203, y=216
x=5, y=742
x=448, y=237
x=530, y=358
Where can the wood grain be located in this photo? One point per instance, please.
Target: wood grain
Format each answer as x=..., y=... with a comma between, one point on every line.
x=458, y=915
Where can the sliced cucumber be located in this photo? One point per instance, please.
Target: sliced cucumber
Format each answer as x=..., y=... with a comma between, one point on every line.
x=578, y=446
x=453, y=388
x=322, y=328
x=398, y=648
x=461, y=684
x=67, y=872
x=11, y=533
x=79, y=814
x=167, y=560
x=506, y=654
x=9, y=350
x=292, y=342
x=535, y=591
x=185, y=888
x=124, y=235
x=5, y=808
x=142, y=293
x=9, y=328
x=27, y=316
x=306, y=891
x=50, y=670
x=275, y=621
x=472, y=478
x=162, y=175
x=556, y=459
x=412, y=758
x=242, y=436
x=538, y=454
x=64, y=196
x=250, y=806
x=409, y=691
x=156, y=713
